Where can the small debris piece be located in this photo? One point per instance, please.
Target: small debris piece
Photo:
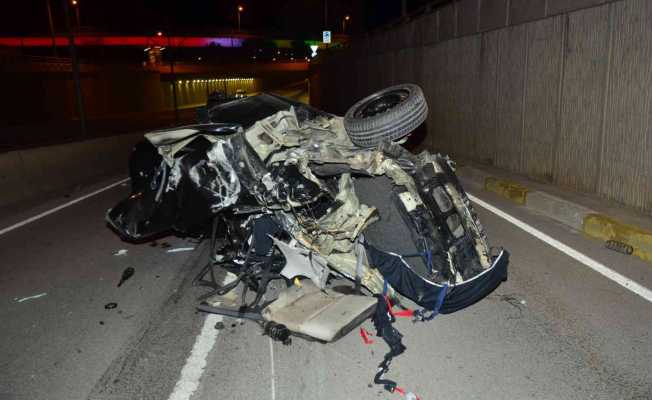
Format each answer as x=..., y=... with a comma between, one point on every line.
x=36, y=296
x=126, y=274
x=278, y=332
x=219, y=325
x=110, y=306
x=101, y=322
x=180, y=249
x=166, y=245
x=620, y=247
x=121, y=252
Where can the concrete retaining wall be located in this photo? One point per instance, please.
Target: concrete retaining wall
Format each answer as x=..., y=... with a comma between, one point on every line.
x=558, y=90
x=33, y=173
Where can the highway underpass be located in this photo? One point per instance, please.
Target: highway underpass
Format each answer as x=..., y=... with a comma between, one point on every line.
x=542, y=101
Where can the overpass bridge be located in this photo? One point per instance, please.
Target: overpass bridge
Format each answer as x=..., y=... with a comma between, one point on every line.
x=227, y=40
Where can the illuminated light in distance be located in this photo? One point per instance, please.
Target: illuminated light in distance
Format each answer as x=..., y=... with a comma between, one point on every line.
x=314, y=48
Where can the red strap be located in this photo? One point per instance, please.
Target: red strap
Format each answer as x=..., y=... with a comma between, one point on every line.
x=400, y=313
x=365, y=336
x=401, y=391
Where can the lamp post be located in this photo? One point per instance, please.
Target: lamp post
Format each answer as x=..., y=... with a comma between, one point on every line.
x=240, y=10
x=75, y=4
x=75, y=71
x=344, y=21
x=172, y=75
x=51, y=21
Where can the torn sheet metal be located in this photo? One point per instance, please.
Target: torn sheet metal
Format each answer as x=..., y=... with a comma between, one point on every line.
x=216, y=177
x=170, y=141
x=303, y=262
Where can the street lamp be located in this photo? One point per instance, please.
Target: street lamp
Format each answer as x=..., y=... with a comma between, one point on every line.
x=240, y=10
x=344, y=21
x=76, y=6
x=172, y=74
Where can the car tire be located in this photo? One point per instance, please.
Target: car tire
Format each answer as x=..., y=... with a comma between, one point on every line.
x=389, y=114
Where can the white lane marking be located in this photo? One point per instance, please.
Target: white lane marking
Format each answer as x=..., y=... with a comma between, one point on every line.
x=61, y=207
x=193, y=370
x=273, y=373
x=36, y=296
x=589, y=262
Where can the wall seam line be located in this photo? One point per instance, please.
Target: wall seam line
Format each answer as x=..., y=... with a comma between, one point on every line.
x=523, y=102
x=498, y=44
x=605, y=95
x=477, y=20
x=560, y=96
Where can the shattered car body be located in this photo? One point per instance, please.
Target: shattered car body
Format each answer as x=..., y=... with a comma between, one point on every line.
x=284, y=193
x=299, y=166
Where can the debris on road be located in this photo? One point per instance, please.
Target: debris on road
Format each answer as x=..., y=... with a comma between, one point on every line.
x=277, y=332
x=287, y=193
x=619, y=247
x=36, y=296
x=110, y=306
x=121, y=252
x=126, y=274
x=180, y=249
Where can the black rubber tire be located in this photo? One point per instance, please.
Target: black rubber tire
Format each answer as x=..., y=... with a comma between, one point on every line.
x=392, y=123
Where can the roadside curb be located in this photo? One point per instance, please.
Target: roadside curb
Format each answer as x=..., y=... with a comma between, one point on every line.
x=606, y=228
x=508, y=189
x=593, y=224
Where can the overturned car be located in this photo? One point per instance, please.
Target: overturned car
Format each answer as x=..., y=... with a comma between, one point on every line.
x=285, y=191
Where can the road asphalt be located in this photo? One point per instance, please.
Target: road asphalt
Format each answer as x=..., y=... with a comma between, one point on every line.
x=555, y=330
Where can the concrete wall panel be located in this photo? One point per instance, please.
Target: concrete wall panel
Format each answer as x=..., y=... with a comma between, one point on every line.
x=585, y=70
x=466, y=76
x=526, y=10
x=467, y=17
x=627, y=145
x=560, y=6
x=543, y=78
x=485, y=99
x=447, y=22
x=509, y=109
x=41, y=171
x=493, y=14
x=427, y=28
x=434, y=59
x=566, y=98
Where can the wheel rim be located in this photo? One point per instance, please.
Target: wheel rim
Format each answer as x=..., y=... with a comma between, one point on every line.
x=381, y=103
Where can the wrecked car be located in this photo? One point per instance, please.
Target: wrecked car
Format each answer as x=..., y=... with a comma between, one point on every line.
x=284, y=191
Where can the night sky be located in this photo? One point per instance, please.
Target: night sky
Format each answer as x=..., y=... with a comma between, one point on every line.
x=293, y=17
x=290, y=18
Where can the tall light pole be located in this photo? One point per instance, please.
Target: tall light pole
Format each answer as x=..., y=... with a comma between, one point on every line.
x=172, y=75
x=75, y=4
x=54, y=39
x=240, y=10
x=75, y=71
x=344, y=21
